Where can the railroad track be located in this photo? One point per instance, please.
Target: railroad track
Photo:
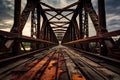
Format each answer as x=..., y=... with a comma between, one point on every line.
x=51, y=67
x=7, y=69
x=93, y=69
x=61, y=63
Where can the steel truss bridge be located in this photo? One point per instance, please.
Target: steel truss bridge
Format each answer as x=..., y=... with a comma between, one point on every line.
x=62, y=37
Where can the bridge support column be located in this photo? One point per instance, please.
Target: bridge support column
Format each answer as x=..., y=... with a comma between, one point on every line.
x=38, y=24
x=81, y=23
x=102, y=26
x=33, y=29
x=17, y=13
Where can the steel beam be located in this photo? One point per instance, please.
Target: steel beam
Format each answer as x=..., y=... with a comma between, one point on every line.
x=59, y=22
x=38, y=20
x=101, y=16
x=102, y=26
x=96, y=38
x=58, y=10
x=10, y=35
x=17, y=16
x=59, y=30
x=93, y=15
x=59, y=27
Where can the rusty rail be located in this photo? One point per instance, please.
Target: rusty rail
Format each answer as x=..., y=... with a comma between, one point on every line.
x=12, y=36
x=95, y=38
x=10, y=59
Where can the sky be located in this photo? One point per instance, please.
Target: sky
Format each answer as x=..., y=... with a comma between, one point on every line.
x=7, y=14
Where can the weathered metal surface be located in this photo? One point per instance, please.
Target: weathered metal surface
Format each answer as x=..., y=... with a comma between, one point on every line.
x=44, y=32
x=17, y=16
x=63, y=63
x=102, y=16
x=32, y=72
x=13, y=36
x=50, y=72
x=4, y=61
x=59, y=9
x=96, y=38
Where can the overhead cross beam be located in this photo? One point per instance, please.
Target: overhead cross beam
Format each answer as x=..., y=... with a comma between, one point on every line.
x=51, y=15
x=59, y=12
x=66, y=10
x=60, y=27
x=59, y=22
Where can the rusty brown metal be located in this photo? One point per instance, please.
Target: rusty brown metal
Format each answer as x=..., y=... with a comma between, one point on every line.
x=93, y=15
x=17, y=15
x=102, y=16
x=95, y=38
x=33, y=29
x=57, y=9
x=67, y=15
x=50, y=72
x=12, y=36
x=78, y=77
x=16, y=25
x=59, y=22
x=44, y=31
x=59, y=30
x=63, y=27
x=80, y=20
x=51, y=15
x=58, y=12
x=32, y=72
x=102, y=26
x=6, y=60
x=23, y=69
x=25, y=14
x=38, y=20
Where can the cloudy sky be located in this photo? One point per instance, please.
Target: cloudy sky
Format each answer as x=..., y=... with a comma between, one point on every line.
x=7, y=9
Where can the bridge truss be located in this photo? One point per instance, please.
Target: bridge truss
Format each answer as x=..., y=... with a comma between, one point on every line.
x=68, y=25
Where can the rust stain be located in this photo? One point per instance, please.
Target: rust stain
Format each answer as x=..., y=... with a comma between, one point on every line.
x=78, y=77
x=54, y=66
x=50, y=72
x=32, y=72
x=15, y=77
x=60, y=62
x=33, y=63
x=17, y=73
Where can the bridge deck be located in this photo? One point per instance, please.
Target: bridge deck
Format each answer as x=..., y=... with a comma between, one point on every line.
x=60, y=63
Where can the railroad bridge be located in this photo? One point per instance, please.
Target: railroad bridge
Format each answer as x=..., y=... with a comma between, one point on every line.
x=60, y=47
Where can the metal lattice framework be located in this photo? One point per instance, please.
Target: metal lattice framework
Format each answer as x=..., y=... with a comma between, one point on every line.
x=59, y=27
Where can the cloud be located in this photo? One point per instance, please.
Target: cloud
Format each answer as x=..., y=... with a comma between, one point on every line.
x=59, y=3
x=6, y=10
x=113, y=6
x=7, y=13
x=113, y=22
x=112, y=11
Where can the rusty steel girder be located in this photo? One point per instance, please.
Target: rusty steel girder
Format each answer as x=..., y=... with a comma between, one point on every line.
x=72, y=30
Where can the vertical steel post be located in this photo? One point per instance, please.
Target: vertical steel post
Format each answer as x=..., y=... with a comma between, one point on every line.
x=80, y=20
x=102, y=26
x=102, y=16
x=17, y=14
x=32, y=24
x=86, y=24
x=38, y=25
x=38, y=21
x=33, y=29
